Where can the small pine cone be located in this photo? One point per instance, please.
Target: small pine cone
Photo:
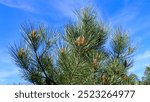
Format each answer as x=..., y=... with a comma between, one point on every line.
x=21, y=52
x=104, y=79
x=95, y=63
x=33, y=34
x=62, y=50
x=130, y=50
x=80, y=41
x=126, y=77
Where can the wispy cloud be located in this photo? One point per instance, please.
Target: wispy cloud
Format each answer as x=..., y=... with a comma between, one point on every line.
x=6, y=74
x=67, y=6
x=144, y=56
x=19, y=4
x=141, y=61
x=133, y=17
x=59, y=8
x=126, y=14
x=7, y=69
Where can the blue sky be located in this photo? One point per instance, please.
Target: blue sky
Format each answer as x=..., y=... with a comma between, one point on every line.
x=132, y=15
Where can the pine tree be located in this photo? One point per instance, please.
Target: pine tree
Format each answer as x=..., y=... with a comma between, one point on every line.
x=146, y=77
x=120, y=60
x=84, y=57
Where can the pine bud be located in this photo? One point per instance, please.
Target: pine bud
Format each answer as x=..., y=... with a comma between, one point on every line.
x=21, y=52
x=33, y=34
x=80, y=41
x=104, y=79
x=62, y=50
x=130, y=50
x=126, y=77
x=95, y=63
x=95, y=60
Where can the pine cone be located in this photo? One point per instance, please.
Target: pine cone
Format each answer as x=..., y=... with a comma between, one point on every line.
x=125, y=77
x=80, y=41
x=104, y=79
x=130, y=50
x=62, y=50
x=33, y=34
x=95, y=63
x=21, y=52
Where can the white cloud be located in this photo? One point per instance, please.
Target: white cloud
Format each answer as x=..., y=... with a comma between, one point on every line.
x=141, y=61
x=5, y=57
x=66, y=7
x=20, y=4
x=49, y=7
x=6, y=74
x=7, y=67
x=125, y=15
x=144, y=56
x=128, y=15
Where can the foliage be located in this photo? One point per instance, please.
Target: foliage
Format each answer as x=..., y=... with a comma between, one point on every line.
x=85, y=57
x=146, y=77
